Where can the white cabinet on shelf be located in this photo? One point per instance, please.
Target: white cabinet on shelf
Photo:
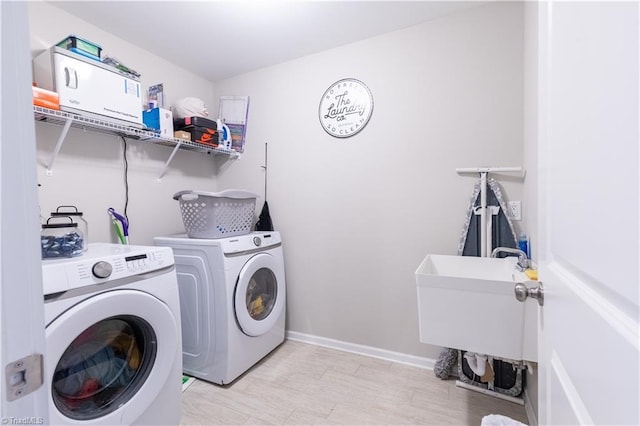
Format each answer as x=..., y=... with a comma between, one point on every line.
x=68, y=120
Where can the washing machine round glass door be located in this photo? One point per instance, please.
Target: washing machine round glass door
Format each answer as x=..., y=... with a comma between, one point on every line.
x=259, y=294
x=103, y=350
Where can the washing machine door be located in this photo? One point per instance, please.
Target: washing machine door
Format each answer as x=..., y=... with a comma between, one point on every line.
x=259, y=294
x=108, y=357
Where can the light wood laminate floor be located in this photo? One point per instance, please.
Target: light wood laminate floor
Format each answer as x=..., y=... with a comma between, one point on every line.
x=302, y=384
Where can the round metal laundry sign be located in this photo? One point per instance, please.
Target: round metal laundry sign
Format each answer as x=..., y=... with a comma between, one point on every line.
x=345, y=108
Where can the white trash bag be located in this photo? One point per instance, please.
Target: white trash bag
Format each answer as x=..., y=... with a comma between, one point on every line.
x=189, y=107
x=498, y=420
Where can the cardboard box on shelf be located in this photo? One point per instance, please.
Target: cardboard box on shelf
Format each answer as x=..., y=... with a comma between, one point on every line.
x=159, y=119
x=203, y=135
x=181, y=134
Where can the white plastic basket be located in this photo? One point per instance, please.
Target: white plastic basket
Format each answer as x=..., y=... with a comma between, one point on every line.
x=216, y=214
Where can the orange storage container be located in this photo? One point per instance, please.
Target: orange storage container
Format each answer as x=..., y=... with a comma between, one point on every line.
x=45, y=98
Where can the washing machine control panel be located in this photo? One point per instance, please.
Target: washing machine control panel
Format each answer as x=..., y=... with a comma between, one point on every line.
x=250, y=242
x=104, y=264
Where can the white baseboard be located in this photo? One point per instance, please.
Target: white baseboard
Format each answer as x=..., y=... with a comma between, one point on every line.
x=415, y=361
x=528, y=406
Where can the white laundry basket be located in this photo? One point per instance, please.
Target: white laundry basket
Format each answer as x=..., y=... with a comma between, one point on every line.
x=216, y=214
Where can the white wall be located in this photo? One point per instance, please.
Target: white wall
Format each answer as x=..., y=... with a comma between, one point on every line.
x=89, y=171
x=358, y=215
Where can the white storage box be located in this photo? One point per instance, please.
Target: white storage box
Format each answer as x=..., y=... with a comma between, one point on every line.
x=217, y=214
x=89, y=87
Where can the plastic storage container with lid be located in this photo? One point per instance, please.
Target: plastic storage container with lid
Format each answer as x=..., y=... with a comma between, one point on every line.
x=82, y=47
x=61, y=239
x=77, y=217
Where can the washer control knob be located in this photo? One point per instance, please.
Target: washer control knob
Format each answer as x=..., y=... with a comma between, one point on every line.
x=102, y=269
x=257, y=241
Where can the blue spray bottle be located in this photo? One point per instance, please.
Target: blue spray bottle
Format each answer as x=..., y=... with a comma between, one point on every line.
x=523, y=244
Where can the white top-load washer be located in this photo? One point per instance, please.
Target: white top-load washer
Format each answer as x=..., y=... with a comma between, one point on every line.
x=113, y=337
x=232, y=299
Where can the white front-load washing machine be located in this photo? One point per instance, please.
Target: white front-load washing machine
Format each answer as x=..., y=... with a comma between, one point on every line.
x=232, y=299
x=113, y=337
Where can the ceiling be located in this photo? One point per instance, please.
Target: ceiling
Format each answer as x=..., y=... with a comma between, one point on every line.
x=220, y=39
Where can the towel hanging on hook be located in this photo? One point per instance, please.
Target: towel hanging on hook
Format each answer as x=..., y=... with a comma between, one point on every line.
x=264, y=222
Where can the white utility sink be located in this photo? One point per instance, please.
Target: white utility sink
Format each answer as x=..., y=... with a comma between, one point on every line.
x=468, y=303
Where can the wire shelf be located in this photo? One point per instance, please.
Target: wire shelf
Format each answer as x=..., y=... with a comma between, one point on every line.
x=45, y=115
x=77, y=121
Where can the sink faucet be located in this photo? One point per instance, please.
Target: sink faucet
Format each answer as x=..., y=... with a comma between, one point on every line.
x=523, y=261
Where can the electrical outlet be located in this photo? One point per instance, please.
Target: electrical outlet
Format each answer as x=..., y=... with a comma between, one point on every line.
x=514, y=210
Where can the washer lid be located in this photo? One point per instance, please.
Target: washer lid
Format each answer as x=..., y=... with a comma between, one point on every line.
x=251, y=242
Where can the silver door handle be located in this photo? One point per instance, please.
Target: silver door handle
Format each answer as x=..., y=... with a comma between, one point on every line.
x=522, y=292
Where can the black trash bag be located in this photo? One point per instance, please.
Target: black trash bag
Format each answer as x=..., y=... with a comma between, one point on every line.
x=264, y=222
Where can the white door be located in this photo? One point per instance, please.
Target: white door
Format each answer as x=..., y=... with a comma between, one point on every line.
x=21, y=301
x=589, y=195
